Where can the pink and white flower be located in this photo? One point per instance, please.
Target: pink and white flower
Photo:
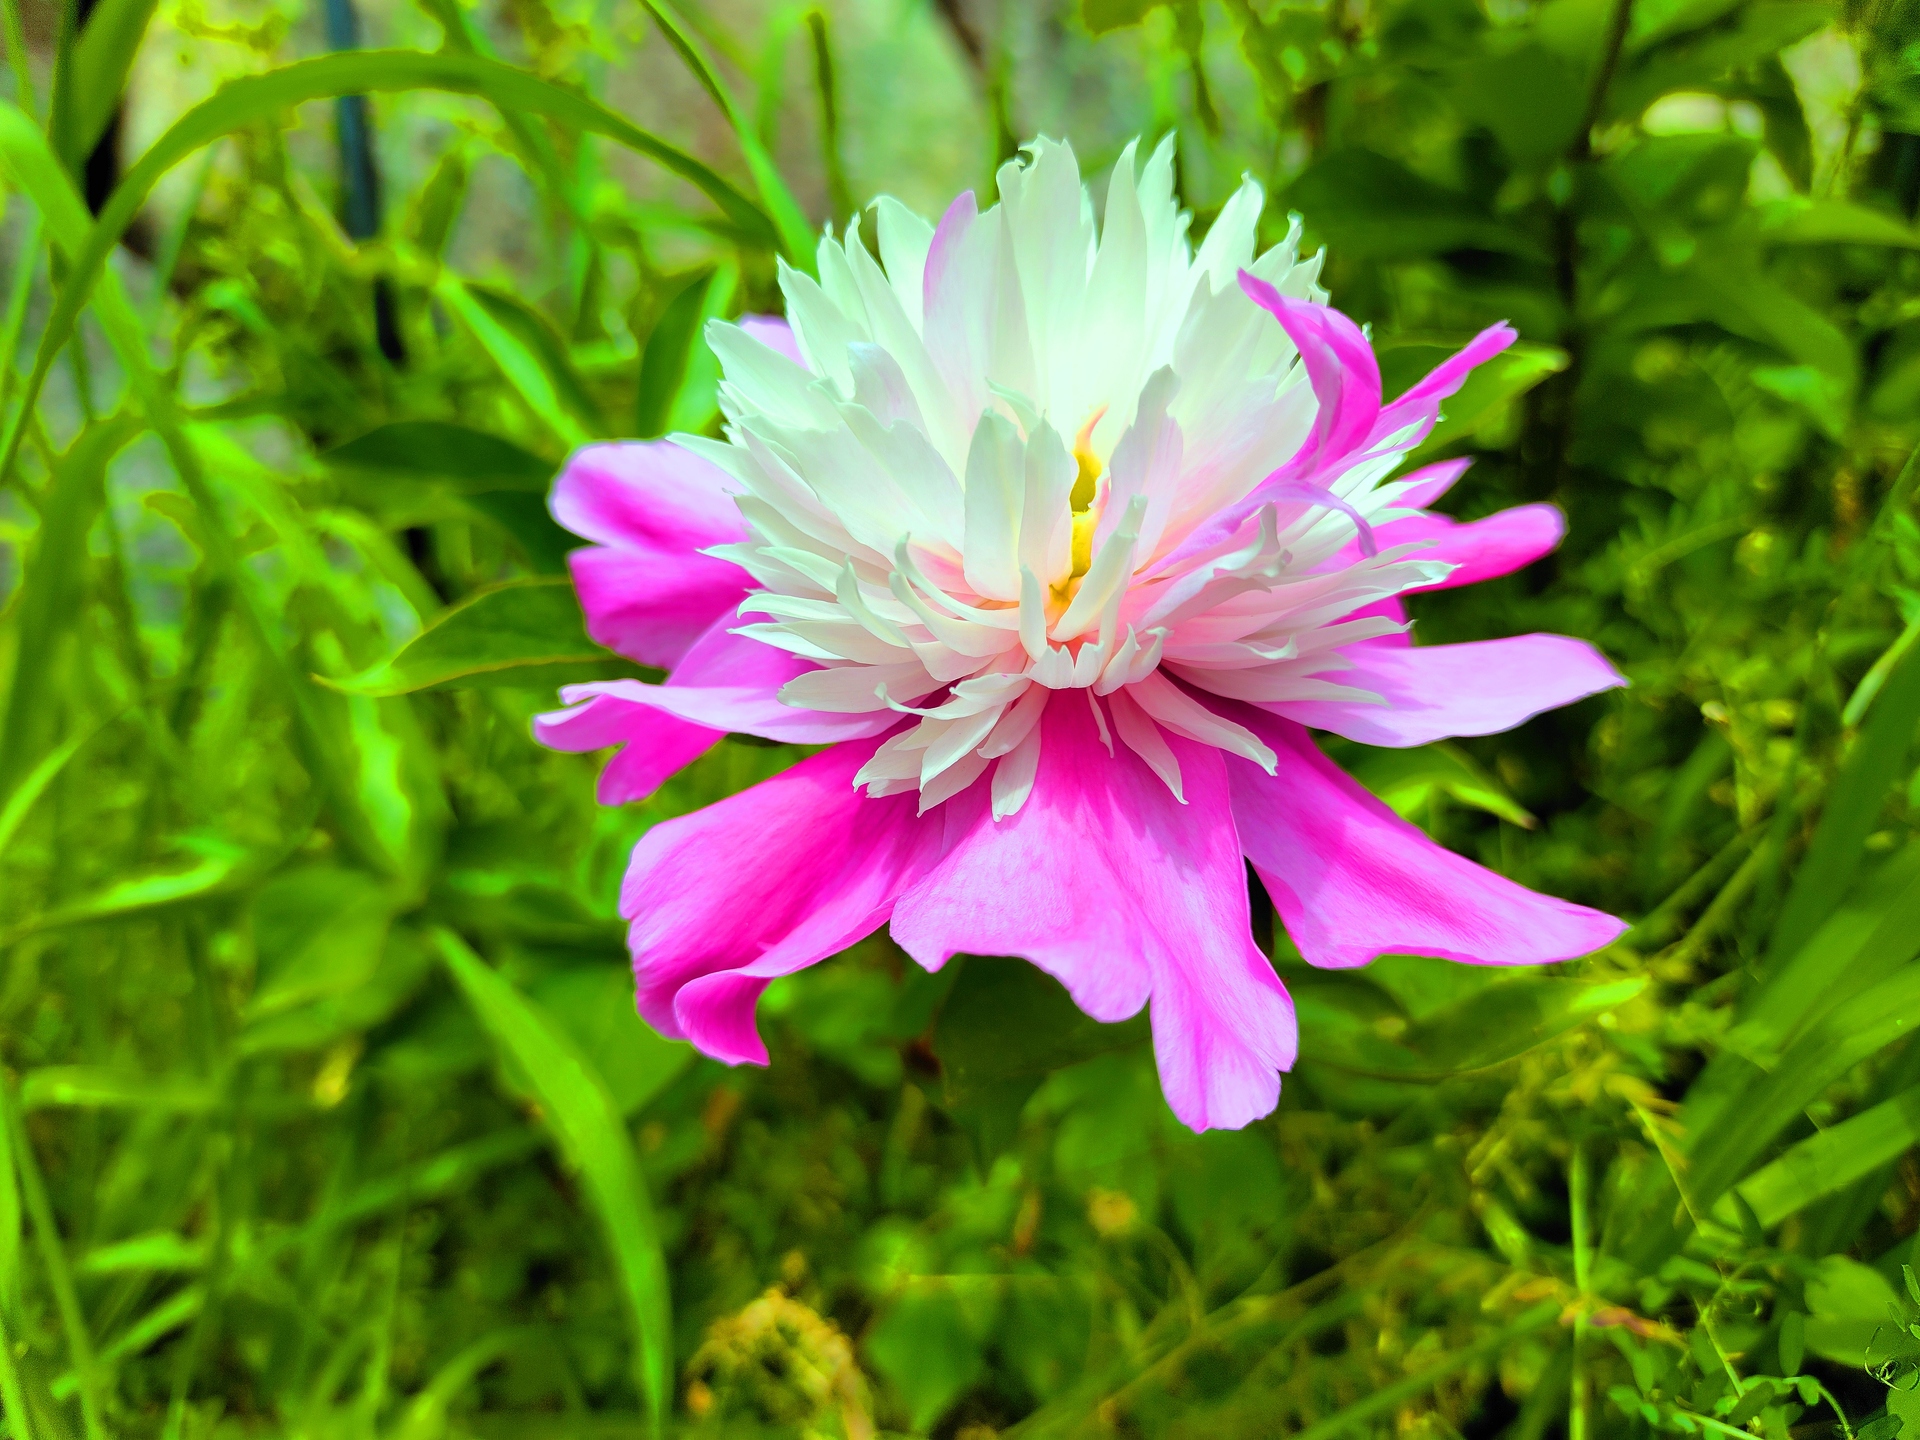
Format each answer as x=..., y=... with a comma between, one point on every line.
x=1061, y=538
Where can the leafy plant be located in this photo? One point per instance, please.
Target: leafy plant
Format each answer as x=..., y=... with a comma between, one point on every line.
x=326, y=1110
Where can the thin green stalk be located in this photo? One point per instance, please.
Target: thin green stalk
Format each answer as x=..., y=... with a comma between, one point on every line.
x=1580, y=1421
x=12, y=1397
x=53, y=1255
x=16, y=315
x=16, y=37
x=1390, y=1396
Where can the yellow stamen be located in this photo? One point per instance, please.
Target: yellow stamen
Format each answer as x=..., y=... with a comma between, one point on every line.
x=1088, y=479
x=1086, y=486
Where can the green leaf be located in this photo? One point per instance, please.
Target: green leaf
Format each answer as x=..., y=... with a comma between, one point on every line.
x=469, y=459
x=1004, y=1027
x=1825, y=1051
x=102, y=57
x=258, y=97
x=1830, y=1160
x=664, y=362
x=585, y=1123
x=1408, y=779
x=1799, y=221
x=1372, y=207
x=594, y=1004
x=929, y=1348
x=1104, y=16
x=160, y=1250
x=53, y=594
x=527, y=633
x=220, y=868
x=1872, y=769
x=1529, y=97
x=25, y=156
x=1875, y=931
x=1495, y=1024
x=494, y=477
x=1848, y=1302
x=797, y=237
x=527, y=355
x=1499, y=382
x=90, y=1087
x=317, y=931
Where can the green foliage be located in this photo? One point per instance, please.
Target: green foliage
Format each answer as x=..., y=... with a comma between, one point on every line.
x=323, y=1106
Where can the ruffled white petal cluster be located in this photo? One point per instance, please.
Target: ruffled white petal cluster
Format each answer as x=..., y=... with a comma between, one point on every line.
x=992, y=482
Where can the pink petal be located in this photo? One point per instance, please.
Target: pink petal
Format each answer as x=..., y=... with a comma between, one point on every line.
x=653, y=743
x=1352, y=880
x=1482, y=549
x=774, y=333
x=1421, y=404
x=1121, y=893
x=1435, y=692
x=646, y=589
x=731, y=684
x=762, y=884
x=1431, y=482
x=1340, y=367
x=725, y=682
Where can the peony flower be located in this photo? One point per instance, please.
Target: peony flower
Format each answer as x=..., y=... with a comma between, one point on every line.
x=1060, y=539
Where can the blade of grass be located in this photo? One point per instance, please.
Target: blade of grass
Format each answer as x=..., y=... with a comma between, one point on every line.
x=102, y=56
x=1389, y=1396
x=16, y=38
x=1852, y=807
x=827, y=87
x=54, y=590
x=255, y=97
x=53, y=1257
x=586, y=1124
x=796, y=232
x=1829, y=1161
x=25, y=155
x=531, y=373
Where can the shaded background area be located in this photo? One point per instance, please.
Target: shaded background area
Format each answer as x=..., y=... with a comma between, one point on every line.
x=326, y=1110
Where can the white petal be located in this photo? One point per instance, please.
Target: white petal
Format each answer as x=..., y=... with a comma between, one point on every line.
x=1140, y=735
x=995, y=492
x=1184, y=715
x=1013, y=777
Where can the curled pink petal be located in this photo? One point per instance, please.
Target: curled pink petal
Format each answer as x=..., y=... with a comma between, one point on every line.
x=760, y=885
x=1436, y=692
x=1121, y=893
x=1421, y=404
x=1352, y=880
x=651, y=507
x=1480, y=549
x=1340, y=367
x=653, y=743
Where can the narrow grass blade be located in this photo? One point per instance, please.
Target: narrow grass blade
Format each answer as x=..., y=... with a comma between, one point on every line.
x=1829, y=1161
x=1388, y=1397
x=1852, y=808
x=256, y=97
x=538, y=372
x=102, y=56
x=796, y=231
x=586, y=1125
x=523, y=632
x=25, y=155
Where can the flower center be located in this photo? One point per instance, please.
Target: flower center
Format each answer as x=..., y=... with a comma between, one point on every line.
x=1086, y=487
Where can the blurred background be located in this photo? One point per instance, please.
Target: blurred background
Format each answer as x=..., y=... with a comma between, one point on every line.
x=326, y=1111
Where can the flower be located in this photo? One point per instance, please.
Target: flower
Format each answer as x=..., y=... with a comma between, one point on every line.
x=1060, y=541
